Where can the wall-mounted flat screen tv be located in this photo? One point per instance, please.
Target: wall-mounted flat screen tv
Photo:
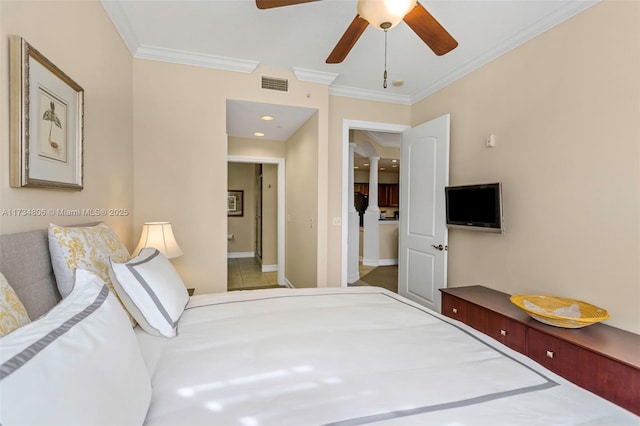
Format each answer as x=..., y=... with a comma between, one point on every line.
x=475, y=207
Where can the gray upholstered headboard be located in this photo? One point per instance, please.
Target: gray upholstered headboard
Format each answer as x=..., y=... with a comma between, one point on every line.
x=26, y=264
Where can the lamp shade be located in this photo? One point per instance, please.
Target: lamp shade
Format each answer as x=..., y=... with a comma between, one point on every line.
x=159, y=235
x=389, y=12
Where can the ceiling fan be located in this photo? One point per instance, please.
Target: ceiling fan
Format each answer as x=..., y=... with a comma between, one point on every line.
x=383, y=15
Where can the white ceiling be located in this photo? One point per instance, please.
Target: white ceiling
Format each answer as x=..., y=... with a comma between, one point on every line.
x=236, y=35
x=243, y=119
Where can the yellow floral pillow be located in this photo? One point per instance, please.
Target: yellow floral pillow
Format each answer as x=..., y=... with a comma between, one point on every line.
x=12, y=311
x=85, y=247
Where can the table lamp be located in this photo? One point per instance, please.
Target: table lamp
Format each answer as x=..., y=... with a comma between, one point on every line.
x=159, y=235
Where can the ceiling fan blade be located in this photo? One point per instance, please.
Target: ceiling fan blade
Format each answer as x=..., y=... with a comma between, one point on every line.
x=268, y=4
x=430, y=30
x=348, y=40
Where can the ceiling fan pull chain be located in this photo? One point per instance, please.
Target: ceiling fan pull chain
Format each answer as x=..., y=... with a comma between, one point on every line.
x=384, y=81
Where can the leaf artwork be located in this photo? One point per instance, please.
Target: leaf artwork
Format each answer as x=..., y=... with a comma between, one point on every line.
x=51, y=116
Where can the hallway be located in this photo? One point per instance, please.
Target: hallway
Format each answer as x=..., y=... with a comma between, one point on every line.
x=246, y=274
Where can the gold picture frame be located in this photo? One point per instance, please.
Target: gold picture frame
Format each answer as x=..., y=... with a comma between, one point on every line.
x=46, y=122
x=235, y=203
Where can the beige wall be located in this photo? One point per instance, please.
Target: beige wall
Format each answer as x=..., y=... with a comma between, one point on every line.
x=302, y=207
x=180, y=156
x=79, y=38
x=242, y=178
x=564, y=108
x=256, y=147
x=388, y=241
x=269, y=214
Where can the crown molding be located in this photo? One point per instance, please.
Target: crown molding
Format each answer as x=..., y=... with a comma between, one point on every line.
x=184, y=57
x=123, y=27
x=314, y=76
x=116, y=13
x=379, y=140
x=369, y=95
x=569, y=10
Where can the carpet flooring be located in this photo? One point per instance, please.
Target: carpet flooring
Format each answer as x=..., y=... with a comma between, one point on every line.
x=382, y=276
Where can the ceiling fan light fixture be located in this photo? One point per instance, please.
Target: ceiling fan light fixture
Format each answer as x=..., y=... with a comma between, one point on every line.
x=384, y=14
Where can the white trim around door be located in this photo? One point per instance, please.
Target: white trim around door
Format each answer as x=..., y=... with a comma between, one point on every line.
x=347, y=125
x=281, y=225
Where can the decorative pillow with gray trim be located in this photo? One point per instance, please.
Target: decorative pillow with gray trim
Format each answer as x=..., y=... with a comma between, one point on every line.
x=78, y=364
x=152, y=291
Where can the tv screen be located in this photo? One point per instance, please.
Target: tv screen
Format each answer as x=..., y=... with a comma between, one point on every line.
x=475, y=207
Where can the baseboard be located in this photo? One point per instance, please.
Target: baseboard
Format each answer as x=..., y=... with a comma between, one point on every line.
x=379, y=262
x=370, y=262
x=240, y=254
x=269, y=268
x=288, y=284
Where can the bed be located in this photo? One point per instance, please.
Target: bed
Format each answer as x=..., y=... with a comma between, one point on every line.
x=332, y=356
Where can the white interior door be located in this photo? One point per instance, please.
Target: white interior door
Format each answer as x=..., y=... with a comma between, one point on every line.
x=422, y=254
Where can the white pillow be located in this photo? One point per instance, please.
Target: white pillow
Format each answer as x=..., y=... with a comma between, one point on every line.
x=152, y=291
x=78, y=364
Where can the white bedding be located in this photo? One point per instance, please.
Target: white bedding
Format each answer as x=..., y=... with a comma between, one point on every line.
x=351, y=356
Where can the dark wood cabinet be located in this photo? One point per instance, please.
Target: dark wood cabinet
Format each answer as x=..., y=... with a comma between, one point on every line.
x=388, y=193
x=602, y=359
x=362, y=188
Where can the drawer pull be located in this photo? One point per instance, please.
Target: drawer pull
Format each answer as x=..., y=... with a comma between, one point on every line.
x=550, y=354
x=455, y=310
x=503, y=332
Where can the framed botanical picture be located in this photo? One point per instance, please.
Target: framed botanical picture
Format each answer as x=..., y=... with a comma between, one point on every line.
x=235, y=203
x=46, y=123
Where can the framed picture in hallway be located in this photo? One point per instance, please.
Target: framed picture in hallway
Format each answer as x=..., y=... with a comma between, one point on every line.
x=235, y=203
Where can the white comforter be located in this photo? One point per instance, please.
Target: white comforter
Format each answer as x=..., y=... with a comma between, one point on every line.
x=349, y=356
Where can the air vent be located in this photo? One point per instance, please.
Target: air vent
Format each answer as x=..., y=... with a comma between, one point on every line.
x=279, y=84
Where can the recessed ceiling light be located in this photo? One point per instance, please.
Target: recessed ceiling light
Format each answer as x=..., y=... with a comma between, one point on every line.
x=356, y=167
x=381, y=168
x=394, y=161
x=365, y=164
x=267, y=117
x=259, y=134
x=394, y=165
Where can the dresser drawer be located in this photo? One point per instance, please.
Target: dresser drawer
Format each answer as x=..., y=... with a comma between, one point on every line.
x=454, y=308
x=555, y=354
x=604, y=376
x=602, y=359
x=507, y=331
x=470, y=314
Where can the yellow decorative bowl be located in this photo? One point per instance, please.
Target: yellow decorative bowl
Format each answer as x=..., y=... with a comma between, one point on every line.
x=560, y=312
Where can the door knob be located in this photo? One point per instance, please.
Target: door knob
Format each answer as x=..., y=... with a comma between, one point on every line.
x=438, y=247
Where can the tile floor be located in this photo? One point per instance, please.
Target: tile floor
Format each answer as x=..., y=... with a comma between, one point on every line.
x=364, y=270
x=246, y=272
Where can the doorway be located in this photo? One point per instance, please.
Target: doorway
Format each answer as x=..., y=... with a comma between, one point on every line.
x=264, y=163
x=350, y=237
x=421, y=211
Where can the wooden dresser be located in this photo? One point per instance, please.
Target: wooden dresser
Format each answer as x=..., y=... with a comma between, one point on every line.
x=602, y=359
